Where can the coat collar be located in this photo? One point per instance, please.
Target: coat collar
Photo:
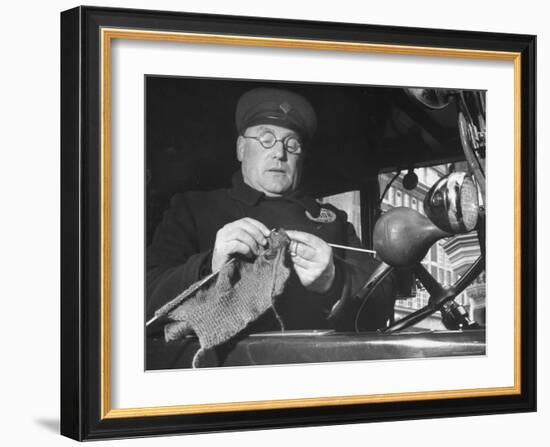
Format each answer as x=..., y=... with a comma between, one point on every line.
x=249, y=196
x=244, y=193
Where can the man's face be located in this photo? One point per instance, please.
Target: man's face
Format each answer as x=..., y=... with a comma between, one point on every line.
x=274, y=171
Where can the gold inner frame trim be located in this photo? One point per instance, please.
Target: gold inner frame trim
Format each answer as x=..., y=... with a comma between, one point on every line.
x=107, y=35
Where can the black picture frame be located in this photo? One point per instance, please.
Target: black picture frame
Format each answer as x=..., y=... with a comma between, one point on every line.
x=84, y=399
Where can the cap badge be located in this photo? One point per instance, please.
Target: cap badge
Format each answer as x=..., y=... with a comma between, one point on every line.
x=325, y=216
x=285, y=107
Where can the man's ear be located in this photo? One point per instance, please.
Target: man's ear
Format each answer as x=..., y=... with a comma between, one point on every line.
x=240, y=148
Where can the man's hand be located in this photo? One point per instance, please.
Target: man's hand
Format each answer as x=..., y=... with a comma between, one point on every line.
x=244, y=236
x=312, y=260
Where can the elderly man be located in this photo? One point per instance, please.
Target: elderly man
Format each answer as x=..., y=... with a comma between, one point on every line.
x=203, y=230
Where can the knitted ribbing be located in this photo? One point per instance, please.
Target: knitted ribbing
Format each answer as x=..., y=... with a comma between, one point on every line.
x=242, y=292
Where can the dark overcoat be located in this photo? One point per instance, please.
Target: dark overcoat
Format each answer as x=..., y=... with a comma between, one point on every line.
x=181, y=254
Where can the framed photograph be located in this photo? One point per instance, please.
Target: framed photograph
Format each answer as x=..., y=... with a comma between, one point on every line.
x=271, y=223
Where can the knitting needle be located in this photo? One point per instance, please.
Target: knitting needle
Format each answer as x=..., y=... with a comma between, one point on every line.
x=345, y=247
x=184, y=295
x=364, y=250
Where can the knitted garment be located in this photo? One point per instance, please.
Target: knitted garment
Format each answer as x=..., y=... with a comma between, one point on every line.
x=242, y=292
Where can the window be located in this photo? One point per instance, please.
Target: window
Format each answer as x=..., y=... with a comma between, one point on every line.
x=414, y=204
x=390, y=195
x=350, y=202
x=434, y=253
x=398, y=198
x=440, y=255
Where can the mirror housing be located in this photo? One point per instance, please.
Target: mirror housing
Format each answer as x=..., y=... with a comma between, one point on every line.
x=431, y=98
x=452, y=203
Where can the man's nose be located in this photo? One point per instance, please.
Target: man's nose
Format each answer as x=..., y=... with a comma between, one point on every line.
x=278, y=151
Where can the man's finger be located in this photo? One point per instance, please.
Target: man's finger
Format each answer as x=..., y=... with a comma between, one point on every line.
x=263, y=229
x=245, y=238
x=240, y=233
x=254, y=231
x=304, y=238
x=303, y=263
x=238, y=247
x=302, y=250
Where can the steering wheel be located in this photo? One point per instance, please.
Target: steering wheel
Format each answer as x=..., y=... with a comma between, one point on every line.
x=403, y=236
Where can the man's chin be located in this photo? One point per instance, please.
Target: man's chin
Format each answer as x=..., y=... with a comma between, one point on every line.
x=276, y=189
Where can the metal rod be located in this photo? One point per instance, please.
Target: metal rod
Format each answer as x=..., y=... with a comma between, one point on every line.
x=364, y=250
x=171, y=305
x=428, y=281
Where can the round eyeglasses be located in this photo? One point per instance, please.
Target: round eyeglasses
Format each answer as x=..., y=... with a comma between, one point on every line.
x=267, y=139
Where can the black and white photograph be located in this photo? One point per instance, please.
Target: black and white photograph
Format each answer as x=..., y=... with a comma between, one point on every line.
x=302, y=222
x=282, y=223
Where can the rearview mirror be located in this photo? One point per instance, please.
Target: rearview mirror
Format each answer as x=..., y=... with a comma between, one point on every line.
x=432, y=98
